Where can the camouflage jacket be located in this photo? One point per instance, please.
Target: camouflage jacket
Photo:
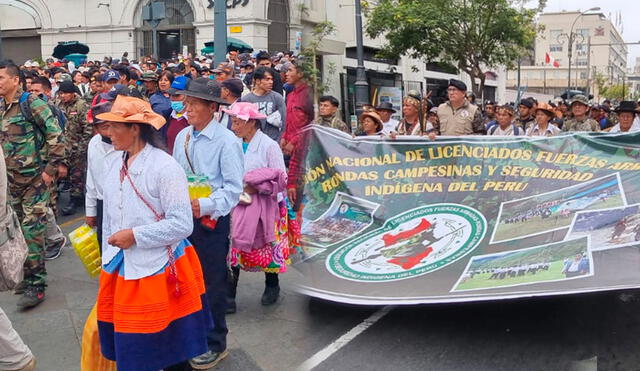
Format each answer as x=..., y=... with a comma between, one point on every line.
x=332, y=122
x=19, y=139
x=586, y=124
x=77, y=131
x=526, y=122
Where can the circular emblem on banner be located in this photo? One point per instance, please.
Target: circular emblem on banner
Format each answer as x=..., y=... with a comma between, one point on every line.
x=416, y=242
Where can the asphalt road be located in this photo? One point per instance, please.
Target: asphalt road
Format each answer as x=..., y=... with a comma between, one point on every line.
x=579, y=332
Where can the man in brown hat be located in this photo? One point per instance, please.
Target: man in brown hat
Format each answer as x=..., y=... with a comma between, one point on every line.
x=223, y=72
x=210, y=149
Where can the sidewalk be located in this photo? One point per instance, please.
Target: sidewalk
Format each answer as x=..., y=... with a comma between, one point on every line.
x=278, y=337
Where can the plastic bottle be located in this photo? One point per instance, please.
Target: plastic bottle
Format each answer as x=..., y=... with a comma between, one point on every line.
x=192, y=189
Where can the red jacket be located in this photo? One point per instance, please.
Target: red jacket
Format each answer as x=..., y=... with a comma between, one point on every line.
x=299, y=113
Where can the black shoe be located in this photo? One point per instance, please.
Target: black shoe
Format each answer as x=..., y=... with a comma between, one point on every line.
x=207, y=360
x=69, y=209
x=270, y=295
x=32, y=297
x=54, y=251
x=19, y=290
x=231, y=305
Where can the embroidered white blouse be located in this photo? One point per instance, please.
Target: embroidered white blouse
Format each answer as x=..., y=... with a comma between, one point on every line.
x=263, y=152
x=162, y=182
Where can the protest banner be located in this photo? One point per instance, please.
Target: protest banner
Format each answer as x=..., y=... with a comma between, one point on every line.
x=471, y=218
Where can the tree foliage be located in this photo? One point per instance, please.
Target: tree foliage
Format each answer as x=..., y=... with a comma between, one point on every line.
x=308, y=57
x=616, y=92
x=474, y=35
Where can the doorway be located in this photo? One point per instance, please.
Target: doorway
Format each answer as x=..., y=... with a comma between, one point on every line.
x=175, y=31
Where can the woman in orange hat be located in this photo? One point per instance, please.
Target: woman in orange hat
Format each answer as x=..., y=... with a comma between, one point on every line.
x=150, y=301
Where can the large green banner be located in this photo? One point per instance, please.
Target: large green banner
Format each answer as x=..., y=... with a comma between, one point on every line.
x=469, y=218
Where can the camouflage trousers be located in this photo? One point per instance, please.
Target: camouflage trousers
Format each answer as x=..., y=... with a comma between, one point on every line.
x=78, y=177
x=31, y=201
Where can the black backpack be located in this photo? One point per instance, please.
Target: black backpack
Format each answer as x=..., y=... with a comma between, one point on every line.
x=516, y=129
x=25, y=109
x=40, y=135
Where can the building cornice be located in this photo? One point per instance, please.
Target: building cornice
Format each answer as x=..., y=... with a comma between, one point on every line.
x=55, y=31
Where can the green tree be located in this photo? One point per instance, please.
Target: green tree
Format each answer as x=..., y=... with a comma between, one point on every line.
x=474, y=35
x=618, y=92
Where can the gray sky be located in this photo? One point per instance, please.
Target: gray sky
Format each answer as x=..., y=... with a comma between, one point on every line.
x=629, y=9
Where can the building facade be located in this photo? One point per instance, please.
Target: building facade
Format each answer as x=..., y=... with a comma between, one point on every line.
x=32, y=28
x=598, y=52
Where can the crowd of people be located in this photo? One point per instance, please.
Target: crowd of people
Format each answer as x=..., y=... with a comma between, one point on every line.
x=125, y=139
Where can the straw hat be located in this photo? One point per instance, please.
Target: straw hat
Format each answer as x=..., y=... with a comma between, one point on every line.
x=374, y=116
x=545, y=107
x=132, y=110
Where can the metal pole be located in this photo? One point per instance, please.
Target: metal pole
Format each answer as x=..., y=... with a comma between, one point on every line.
x=570, y=52
x=517, y=102
x=154, y=35
x=220, y=31
x=588, y=66
x=361, y=85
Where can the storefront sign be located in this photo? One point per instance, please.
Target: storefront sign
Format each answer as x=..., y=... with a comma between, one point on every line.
x=235, y=29
x=465, y=219
x=231, y=4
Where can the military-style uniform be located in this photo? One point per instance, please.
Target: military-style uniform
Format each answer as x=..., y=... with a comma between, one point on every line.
x=586, y=124
x=332, y=121
x=77, y=133
x=28, y=194
x=465, y=120
x=526, y=122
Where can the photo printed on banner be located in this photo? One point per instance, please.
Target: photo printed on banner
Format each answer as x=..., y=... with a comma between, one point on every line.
x=608, y=228
x=346, y=217
x=552, y=211
x=559, y=261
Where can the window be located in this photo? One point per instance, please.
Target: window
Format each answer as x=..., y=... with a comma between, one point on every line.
x=584, y=75
x=555, y=48
x=584, y=32
x=553, y=35
x=582, y=62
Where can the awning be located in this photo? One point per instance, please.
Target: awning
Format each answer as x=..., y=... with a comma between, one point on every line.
x=65, y=48
x=232, y=44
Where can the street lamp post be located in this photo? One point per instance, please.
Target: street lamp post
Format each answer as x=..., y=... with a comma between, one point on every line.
x=571, y=37
x=220, y=31
x=361, y=85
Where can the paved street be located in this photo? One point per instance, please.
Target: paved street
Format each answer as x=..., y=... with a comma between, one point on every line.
x=584, y=332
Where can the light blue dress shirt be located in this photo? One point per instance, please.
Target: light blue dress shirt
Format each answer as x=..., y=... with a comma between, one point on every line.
x=217, y=153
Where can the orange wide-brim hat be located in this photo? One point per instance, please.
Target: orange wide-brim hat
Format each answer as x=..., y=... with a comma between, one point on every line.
x=132, y=110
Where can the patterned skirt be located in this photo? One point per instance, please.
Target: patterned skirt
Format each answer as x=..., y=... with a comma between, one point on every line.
x=271, y=257
x=146, y=324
